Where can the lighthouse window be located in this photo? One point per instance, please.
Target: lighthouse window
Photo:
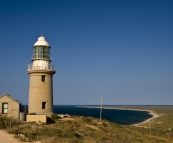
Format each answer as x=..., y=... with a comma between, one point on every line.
x=43, y=77
x=41, y=52
x=4, y=108
x=45, y=52
x=43, y=105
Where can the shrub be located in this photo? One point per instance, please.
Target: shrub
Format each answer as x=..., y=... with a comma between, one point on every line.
x=87, y=119
x=7, y=122
x=55, y=117
x=104, y=124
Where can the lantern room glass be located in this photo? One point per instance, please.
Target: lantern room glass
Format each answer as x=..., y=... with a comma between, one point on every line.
x=41, y=52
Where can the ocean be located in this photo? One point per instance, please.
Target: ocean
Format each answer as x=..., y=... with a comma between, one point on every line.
x=122, y=117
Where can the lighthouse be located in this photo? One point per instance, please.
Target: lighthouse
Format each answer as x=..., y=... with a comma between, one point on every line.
x=41, y=79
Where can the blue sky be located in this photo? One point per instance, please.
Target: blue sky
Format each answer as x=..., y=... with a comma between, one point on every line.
x=122, y=49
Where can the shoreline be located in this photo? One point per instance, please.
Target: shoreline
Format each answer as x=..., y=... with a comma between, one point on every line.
x=154, y=115
x=148, y=120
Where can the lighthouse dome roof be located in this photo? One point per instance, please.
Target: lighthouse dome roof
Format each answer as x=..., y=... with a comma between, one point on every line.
x=41, y=42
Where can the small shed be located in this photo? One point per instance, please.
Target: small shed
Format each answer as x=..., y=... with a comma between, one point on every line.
x=10, y=106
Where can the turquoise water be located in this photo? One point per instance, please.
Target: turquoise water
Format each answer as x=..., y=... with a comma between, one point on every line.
x=122, y=117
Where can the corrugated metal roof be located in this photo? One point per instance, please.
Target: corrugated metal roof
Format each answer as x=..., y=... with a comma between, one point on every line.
x=10, y=97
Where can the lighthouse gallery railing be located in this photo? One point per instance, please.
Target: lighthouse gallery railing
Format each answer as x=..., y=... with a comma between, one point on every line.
x=50, y=67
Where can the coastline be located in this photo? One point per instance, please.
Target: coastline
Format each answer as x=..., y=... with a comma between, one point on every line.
x=154, y=115
x=148, y=120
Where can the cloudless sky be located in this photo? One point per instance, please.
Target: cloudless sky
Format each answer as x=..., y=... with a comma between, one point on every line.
x=122, y=49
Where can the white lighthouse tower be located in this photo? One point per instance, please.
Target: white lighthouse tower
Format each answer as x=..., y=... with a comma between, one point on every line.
x=41, y=79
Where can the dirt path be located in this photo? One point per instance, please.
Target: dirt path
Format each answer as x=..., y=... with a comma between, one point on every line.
x=7, y=138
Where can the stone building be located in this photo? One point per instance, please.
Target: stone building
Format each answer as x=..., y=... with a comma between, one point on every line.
x=10, y=106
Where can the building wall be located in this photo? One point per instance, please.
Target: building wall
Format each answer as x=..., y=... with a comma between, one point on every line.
x=39, y=92
x=13, y=107
x=36, y=118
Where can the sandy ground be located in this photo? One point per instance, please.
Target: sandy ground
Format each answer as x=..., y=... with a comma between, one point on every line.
x=7, y=138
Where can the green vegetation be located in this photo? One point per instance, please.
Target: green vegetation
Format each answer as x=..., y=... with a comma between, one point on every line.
x=78, y=129
x=55, y=117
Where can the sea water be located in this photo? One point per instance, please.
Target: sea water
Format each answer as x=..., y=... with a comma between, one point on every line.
x=122, y=117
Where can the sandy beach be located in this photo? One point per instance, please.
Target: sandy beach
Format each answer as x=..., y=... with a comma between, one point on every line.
x=154, y=115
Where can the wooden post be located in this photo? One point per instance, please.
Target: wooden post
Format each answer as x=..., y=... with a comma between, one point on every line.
x=101, y=108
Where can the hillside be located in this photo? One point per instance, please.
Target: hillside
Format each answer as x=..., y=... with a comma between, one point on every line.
x=78, y=129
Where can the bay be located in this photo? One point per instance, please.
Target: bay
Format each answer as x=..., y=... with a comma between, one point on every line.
x=122, y=117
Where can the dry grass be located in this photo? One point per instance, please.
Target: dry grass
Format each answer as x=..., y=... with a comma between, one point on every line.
x=65, y=119
x=90, y=130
